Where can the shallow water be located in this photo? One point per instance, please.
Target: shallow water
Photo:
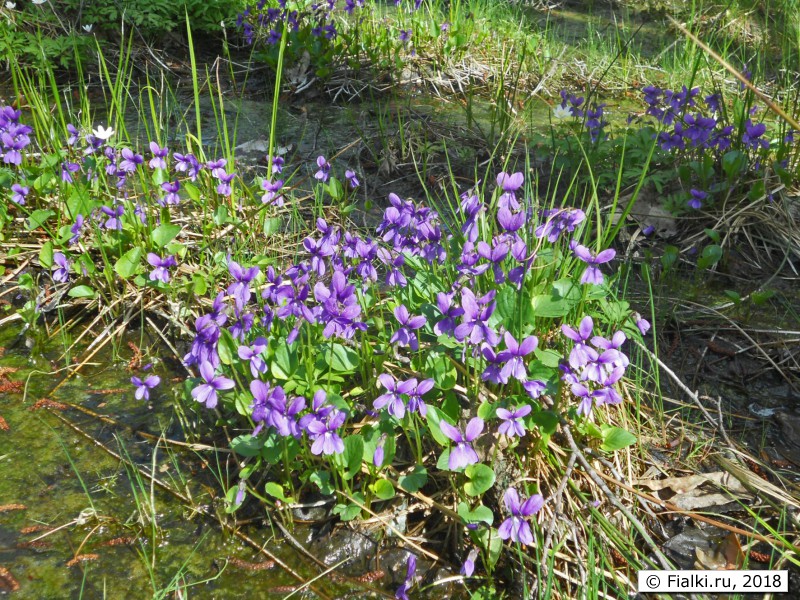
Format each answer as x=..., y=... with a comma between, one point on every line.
x=58, y=478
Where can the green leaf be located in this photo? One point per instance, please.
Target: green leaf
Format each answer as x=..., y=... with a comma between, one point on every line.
x=350, y=459
x=347, y=512
x=192, y=191
x=549, y=358
x=670, y=257
x=760, y=297
x=710, y=256
x=414, y=481
x=334, y=188
x=733, y=163
x=81, y=291
x=443, y=370
x=128, y=263
x=285, y=363
x=221, y=215
x=714, y=235
x=247, y=445
x=480, y=478
x=337, y=358
x=487, y=410
x=383, y=489
x=272, y=225
x=276, y=491
x=615, y=438
x=227, y=347
x=564, y=295
x=164, y=234
x=46, y=255
x=38, y=218
x=479, y=514
x=546, y=420
x=434, y=417
x=322, y=479
x=443, y=462
x=80, y=203
x=513, y=305
x=230, y=500
x=199, y=285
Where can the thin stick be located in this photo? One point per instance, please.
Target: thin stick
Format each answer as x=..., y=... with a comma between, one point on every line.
x=615, y=501
x=689, y=392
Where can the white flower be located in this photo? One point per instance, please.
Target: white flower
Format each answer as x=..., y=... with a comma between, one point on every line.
x=101, y=133
x=11, y=5
x=88, y=28
x=38, y=1
x=562, y=112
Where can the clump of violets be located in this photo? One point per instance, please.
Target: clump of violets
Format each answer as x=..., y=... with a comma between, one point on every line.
x=595, y=365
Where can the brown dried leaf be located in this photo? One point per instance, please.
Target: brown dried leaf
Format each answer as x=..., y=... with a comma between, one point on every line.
x=696, y=491
x=727, y=556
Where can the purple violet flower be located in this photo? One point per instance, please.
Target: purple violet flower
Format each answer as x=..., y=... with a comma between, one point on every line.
x=450, y=313
x=642, y=323
x=514, y=354
x=130, y=160
x=240, y=288
x=581, y=353
x=338, y=308
x=475, y=320
x=415, y=401
x=557, y=221
x=592, y=274
x=516, y=527
x=252, y=354
x=352, y=179
x=160, y=273
x=509, y=184
x=324, y=169
x=402, y=591
x=271, y=189
x=206, y=393
x=76, y=229
x=224, y=186
x=19, y=193
x=61, y=274
x=326, y=440
x=512, y=424
x=159, y=154
x=143, y=387
x=468, y=568
x=67, y=169
x=463, y=454
x=405, y=336
x=393, y=396
x=696, y=198
x=114, y=215
x=171, y=197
